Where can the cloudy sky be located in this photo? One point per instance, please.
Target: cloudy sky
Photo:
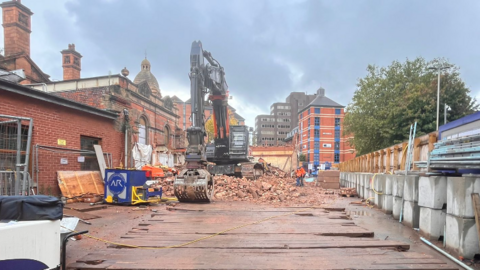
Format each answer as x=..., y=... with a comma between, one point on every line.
x=268, y=48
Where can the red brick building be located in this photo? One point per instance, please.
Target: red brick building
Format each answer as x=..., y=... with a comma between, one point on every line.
x=61, y=121
x=153, y=120
x=320, y=132
x=185, y=110
x=16, y=54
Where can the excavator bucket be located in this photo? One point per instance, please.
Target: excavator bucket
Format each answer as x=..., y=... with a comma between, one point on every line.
x=194, y=186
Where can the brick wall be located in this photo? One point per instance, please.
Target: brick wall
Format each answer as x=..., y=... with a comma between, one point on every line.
x=103, y=98
x=53, y=122
x=16, y=38
x=88, y=96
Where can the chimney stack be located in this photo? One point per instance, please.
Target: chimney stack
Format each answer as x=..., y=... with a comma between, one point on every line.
x=71, y=63
x=16, y=27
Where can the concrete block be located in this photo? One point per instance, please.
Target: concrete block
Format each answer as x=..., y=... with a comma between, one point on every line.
x=462, y=236
x=387, y=204
x=398, y=182
x=397, y=207
x=368, y=177
x=410, y=188
x=432, y=192
x=365, y=193
x=411, y=214
x=459, y=195
x=379, y=182
x=432, y=223
x=378, y=200
x=389, y=184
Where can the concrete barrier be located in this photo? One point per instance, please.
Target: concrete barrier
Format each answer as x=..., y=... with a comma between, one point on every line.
x=435, y=204
x=410, y=188
x=462, y=236
x=432, y=223
x=432, y=192
x=459, y=195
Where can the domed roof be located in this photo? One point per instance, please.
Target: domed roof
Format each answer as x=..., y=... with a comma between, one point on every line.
x=145, y=62
x=146, y=75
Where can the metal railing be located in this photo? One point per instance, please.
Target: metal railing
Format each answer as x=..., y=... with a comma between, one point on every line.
x=15, y=141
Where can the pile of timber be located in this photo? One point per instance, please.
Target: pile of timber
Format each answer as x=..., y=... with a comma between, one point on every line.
x=329, y=179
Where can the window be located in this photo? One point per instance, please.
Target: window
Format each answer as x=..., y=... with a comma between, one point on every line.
x=308, y=121
x=338, y=111
x=337, y=122
x=142, y=131
x=337, y=145
x=316, y=145
x=317, y=133
x=90, y=163
x=317, y=121
x=167, y=135
x=316, y=157
x=308, y=111
x=337, y=133
x=317, y=110
x=337, y=158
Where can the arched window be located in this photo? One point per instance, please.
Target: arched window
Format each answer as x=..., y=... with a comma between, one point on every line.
x=167, y=135
x=142, y=131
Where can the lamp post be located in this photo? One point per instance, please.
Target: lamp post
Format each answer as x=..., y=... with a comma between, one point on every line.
x=439, y=67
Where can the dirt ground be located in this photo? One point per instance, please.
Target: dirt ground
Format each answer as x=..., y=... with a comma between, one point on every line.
x=116, y=221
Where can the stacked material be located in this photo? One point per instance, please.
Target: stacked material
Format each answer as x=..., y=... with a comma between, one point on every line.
x=329, y=179
x=454, y=154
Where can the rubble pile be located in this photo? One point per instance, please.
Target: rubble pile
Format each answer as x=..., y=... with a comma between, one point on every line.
x=167, y=186
x=267, y=189
x=272, y=170
x=348, y=192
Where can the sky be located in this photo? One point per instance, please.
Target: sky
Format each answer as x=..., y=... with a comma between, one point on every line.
x=268, y=48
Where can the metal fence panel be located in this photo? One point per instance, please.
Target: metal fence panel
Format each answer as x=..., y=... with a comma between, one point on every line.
x=15, y=141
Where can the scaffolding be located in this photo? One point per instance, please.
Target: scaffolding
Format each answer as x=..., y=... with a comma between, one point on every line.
x=15, y=141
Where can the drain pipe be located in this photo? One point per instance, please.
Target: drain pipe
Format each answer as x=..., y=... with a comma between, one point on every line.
x=446, y=254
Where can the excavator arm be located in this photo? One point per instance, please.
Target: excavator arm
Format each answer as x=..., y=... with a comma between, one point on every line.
x=195, y=183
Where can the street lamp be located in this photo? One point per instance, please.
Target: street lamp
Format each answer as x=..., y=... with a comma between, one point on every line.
x=439, y=67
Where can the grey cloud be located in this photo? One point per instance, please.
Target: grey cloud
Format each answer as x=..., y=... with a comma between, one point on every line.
x=259, y=42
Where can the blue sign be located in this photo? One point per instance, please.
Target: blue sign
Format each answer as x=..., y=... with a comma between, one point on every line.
x=116, y=183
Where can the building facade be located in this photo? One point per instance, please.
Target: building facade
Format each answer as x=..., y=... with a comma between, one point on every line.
x=320, y=132
x=185, y=111
x=60, y=126
x=272, y=129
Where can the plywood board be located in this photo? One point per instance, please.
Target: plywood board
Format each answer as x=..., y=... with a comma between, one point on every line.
x=101, y=159
x=77, y=183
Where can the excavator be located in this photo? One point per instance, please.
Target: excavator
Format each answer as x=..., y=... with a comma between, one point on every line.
x=228, y=153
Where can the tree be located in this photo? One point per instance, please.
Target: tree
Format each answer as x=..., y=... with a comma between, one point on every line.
x=389, y=99
x=210, y=129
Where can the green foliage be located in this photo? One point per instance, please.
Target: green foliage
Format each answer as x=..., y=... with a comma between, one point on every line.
x=389, y=99
x=302, y=157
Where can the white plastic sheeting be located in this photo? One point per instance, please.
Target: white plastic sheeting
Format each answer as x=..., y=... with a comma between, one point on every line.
x=142, y=155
